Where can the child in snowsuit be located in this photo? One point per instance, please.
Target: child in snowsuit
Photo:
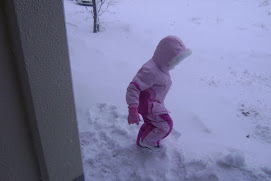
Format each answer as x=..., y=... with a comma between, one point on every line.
x=148, y=89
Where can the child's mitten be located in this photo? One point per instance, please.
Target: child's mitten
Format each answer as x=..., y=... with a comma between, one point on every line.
x=133, y=116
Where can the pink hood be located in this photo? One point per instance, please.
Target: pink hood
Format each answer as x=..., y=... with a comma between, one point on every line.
x=167, y=49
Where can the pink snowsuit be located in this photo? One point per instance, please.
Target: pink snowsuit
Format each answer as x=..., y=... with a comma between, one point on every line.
x=149, y=87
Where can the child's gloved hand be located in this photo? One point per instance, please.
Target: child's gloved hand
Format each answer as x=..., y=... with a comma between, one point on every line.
x=133, y=116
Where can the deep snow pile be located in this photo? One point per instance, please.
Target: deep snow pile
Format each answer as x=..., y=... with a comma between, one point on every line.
x=220, y=99
x=109, y=153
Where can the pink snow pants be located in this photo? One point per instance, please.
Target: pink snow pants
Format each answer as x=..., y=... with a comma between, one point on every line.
x=154, y=129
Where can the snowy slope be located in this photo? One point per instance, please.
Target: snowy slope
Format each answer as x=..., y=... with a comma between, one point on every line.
x=220, y=99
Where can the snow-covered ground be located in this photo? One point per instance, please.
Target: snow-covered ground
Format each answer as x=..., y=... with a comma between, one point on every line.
x=220, y=100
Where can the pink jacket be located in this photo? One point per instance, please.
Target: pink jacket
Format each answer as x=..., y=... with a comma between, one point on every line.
x=149, y=87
